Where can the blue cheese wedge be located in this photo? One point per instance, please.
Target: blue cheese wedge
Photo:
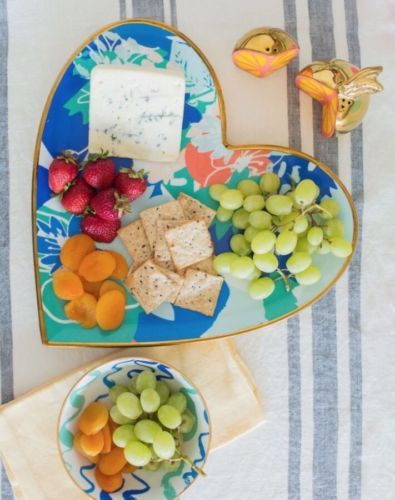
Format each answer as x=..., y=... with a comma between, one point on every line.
x=136, y=112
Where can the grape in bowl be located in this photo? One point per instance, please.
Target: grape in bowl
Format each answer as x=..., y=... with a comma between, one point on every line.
x=134, y=426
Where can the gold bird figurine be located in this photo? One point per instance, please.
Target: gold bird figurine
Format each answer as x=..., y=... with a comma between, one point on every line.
x=264, y=50
x=343, y=91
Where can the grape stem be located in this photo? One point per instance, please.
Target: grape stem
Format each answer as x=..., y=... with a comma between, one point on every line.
x=185, y=459
x=315, y=207
x=285, y=279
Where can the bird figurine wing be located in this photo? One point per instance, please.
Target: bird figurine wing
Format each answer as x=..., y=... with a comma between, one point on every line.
x=327, y=97
x=259, y=64
x=362, y=83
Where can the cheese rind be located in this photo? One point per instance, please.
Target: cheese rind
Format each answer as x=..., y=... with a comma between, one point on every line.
x=136, y=112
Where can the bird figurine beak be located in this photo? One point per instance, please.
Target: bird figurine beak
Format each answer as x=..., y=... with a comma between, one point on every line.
x=343, y=91
x=262, y=51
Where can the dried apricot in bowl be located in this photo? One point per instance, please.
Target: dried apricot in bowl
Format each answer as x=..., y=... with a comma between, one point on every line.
x=75, y=249
x=110, y=310
x=93, y=418
x=109, y=285
x=92, y=287
x=108, y=483
x=67, y=285
x=93, y=444
x=78, y=448
x=112, y=462
x=121, y=267
x=97, y=266
x=83, y=310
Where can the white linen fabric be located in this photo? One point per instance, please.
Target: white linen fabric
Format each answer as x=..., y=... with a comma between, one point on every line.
x=327, y=376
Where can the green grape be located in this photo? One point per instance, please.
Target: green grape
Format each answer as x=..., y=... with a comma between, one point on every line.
x=179, y=401
x=150, y=400
x=222, y=262
x=309, y=276
x=231, y=199
x=137, y=454
x=164, y=445
x=254, y=202
x=223, y=214
x=315, y=235
x=260, y=219
x=263, y=242
x=301, y=224
x=152, y=466
x=331, y=207
x=279, y=204
x=261, y=288
x=242, y=267
x=282, y=220
x=255, y=273
x=324, y=248
x=163, y=390
x=216, y=190
x=187, y=423
x=240, y=245
x=286, y=242
x=240, y=218
x=286, y=227
x=116, y=390
x=132, y=385
x=341, y=248
x=291, y=196
x=145, y=380
x=334, y=228
x=117, y=416
x=250, y=232
x=304, y=246
x=169, y=416
x=129, y=405
x=298, y=262
x=146, y=430
x=266, y=262
x=306, y=192
x=248, y=187
x=123, y=434
x=269, y=182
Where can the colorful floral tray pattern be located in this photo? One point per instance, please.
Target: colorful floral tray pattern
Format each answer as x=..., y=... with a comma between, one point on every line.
x=204, y=160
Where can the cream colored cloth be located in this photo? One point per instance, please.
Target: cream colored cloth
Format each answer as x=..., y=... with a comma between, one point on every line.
x=28, y=425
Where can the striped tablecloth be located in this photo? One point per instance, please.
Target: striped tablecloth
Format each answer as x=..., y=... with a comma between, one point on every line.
x=327, y=375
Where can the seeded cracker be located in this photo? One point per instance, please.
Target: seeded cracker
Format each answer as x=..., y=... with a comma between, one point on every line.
x=162, y=254
x=178, y=280
x=199, y=292
x=151, y=286
x=135, y=240
x=195, y=210
x=149, y=217
x=206, y=266
x=189, y=243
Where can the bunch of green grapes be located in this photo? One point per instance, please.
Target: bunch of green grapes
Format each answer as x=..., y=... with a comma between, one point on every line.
x=152, y=422
x=275, y=227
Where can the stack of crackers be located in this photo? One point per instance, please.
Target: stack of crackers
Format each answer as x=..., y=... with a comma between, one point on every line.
x=172, y=256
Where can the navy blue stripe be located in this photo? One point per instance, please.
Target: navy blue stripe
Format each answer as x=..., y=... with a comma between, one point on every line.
x=293, y=324
x=152, y=9
x=122, y=9
x=325, y=397
x=354, y=276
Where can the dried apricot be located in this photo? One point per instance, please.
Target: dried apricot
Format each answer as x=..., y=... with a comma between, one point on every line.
x=67, y=285
x=75, y=249
x=97, y=266
x=93, y=444
x=112, y=425
x=108, y=483
x=107, y=439
x=110, y=310
x=128, y=469
x=112, y=462
x=121, y=266
x=92, y=287
x=109, y=285
x=80, y=451
x=93, y=418
x=82, y=310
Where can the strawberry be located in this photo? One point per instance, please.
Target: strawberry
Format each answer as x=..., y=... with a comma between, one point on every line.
x=99, y=229
x=62, y=171
x=109, y=204
x=131, y=183
x=77, y=197
x=99, y=171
